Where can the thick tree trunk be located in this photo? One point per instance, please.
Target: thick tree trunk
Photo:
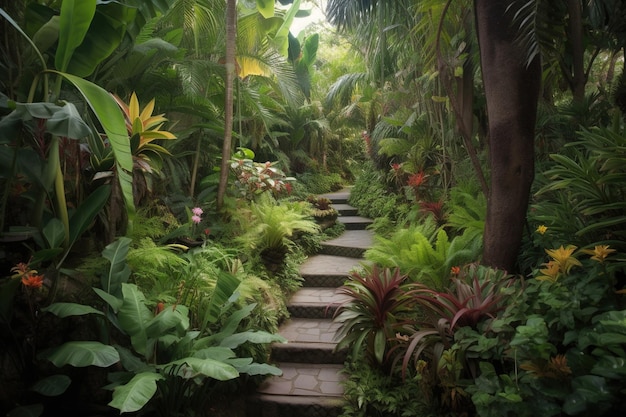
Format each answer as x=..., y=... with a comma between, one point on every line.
x=512, y=90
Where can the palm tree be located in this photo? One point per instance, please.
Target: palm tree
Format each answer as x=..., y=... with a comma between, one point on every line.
x=231, y=33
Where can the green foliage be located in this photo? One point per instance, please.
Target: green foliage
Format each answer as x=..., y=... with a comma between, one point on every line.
x=271, y=228
x=321, y=183
x=467, y=212
x=424, y=253
x=582, y=195
x=372, y=198
x=375, y=393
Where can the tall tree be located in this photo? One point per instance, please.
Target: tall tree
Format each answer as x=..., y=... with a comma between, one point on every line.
x=512, y=89
x=231, y=33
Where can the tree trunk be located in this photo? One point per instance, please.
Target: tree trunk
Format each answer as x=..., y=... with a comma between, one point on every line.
x=231, y=33
x=512, y=89
x=575, y=28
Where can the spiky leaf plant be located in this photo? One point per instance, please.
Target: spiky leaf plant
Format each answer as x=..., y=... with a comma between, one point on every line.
x=374, y=312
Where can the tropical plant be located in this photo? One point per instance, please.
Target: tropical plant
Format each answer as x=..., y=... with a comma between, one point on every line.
x=143, y=129
x=424, y=253
x=164, y=346
x=582, y=192
x=376, y=309
x=271, y=228
x=254, y=178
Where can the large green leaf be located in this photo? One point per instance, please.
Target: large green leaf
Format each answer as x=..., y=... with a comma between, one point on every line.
x=118, y=271
x=211, y=368
x=136, y=393
x=52, y=386
x=172, y=317
x=251, y=336
x=225, y=287
x=63, y=310
x=134, y=316
x=105, y=34
x=54, y=232
x=110, y=116
x=266, y=8
x=87, y=211
x=114, y=302
x=81, y=354
x=76, y=17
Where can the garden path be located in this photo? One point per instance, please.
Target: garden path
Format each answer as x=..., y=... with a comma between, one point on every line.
x=311, y=383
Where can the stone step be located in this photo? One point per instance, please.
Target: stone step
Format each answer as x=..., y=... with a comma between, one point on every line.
x=352, y=244
x=308, y=341
x=315, y=302
x=339, y=197
x=355, y=222
x=327, y=270
x=345, y=209
x=302, y=390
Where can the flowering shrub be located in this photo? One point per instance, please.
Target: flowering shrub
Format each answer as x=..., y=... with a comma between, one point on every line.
x=253, y=178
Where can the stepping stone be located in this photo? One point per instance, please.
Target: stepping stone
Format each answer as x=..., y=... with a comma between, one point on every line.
x=351, y=243
x=308, y=341
x=306, y=380
x=345, y=209
x=327, y=270
x=315, y=302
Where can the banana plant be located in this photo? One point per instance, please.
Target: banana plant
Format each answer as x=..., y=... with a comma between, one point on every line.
x=164, y=347
x=74, y=28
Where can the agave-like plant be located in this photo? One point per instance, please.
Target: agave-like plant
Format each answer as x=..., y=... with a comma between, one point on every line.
x=377, y=307
x=475, y=295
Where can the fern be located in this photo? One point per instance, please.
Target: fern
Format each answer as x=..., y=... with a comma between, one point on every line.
x=425, y=253
x=467, y=212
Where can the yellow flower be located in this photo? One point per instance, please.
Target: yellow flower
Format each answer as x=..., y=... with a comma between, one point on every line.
x=551, y=273
x=542, y=229
x=142, y=122
x=563, y=257
x=599, y=252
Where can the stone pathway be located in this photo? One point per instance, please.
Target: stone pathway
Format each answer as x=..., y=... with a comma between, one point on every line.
x=311, y=383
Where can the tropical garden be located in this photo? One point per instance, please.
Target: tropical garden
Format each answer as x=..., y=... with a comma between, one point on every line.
x=160, y=167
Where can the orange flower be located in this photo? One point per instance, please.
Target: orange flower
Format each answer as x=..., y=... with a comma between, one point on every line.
x=416, y=180
x=32, y=281
x=599, y=252
x=551, y=272
x=455, y=270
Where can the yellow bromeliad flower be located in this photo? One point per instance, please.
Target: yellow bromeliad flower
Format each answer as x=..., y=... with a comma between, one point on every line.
x=564, y=258
x=550, y=273
x=542, y=229
x=599, y=252
x=141, y=122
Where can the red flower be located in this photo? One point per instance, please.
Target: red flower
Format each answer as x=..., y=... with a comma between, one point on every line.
x=455, y=270
x=395, y=166
x=32, y=281
x=416, y=180
x=207, y=231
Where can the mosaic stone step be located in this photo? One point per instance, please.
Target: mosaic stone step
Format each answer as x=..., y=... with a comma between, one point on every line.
x=308, y=341
x=315, y=302
x=327, y=270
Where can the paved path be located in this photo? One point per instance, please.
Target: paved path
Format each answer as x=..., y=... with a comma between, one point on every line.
x=311, y=383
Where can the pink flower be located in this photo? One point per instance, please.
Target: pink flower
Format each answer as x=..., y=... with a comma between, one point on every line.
x=196, y=219
x=197, y=211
